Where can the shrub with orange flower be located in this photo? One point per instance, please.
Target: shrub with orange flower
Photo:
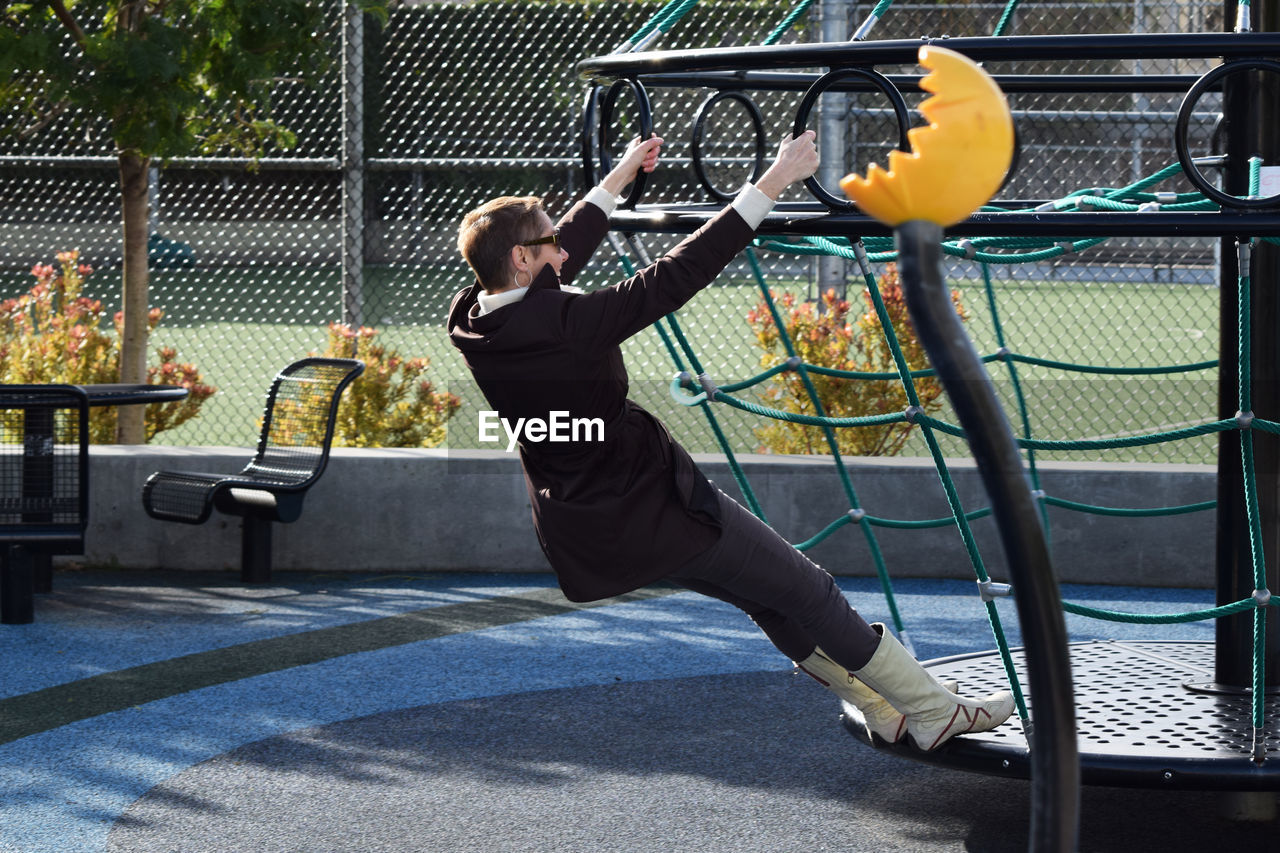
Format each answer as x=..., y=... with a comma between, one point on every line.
x=831, y=339
x=390, y=404
x=52, y=334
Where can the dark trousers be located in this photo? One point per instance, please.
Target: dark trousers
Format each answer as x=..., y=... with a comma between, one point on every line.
x=791, y=599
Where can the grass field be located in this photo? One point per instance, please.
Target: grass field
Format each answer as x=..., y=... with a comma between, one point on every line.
x=241, y=325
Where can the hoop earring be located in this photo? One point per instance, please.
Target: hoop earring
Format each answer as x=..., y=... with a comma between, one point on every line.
x=516, y=280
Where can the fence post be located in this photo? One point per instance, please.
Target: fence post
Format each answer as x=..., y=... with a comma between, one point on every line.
x=833, y=119
x=352, y=166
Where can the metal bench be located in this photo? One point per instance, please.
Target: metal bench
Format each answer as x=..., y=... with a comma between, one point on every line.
x=293, y=449
x=44, y=487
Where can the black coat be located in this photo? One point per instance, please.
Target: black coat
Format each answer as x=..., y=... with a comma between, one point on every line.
x=615, y=514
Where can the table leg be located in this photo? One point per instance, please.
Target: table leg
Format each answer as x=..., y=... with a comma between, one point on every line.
x=16, y=581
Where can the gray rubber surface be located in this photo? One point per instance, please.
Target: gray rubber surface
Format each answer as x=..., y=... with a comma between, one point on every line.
x=726, y=764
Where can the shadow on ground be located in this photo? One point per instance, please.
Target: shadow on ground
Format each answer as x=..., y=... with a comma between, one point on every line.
x=748, y=762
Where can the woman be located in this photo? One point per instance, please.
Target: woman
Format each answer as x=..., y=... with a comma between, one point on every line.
x=623, y=505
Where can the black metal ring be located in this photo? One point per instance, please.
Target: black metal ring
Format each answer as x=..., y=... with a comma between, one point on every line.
x=695, y=143
x=825, y=82
x=1189, y=101
x=644, y=118
x=590, y=107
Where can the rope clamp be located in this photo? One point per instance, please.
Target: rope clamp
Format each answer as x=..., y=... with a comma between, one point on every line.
x=865, y=29
x=794, y=362
x=1038, y=494
x=970, y=250
x=1244, y=420
x=1166, y=196
x=860, y=254
x=1067, y=247
x=648, y=40
x=912, y=412
x=685, y=378
x=708, y=385
x=857, y=514
x=1262, y=597
x=1149, y=207
x=1004, y=352
x=1244, y=20
x=989, y=591
x=1245, y=252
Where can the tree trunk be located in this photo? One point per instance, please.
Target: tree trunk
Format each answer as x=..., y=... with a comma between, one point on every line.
x=133, y=336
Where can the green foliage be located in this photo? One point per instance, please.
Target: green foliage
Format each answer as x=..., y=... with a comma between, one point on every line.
x=389, y=405
x=173, y=78
x=169, y=78
x=52, y=334
x=831, y=339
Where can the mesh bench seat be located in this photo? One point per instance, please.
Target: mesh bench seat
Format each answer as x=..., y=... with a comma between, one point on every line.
x=293, y=450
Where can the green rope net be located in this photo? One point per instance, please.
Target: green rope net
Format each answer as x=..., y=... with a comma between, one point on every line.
x=694, y=387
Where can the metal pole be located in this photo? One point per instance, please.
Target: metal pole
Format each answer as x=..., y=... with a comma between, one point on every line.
x=833, y=113
x=1055, y=764
x=1251, y=109
x=1141, y=103
x=352, y=166
x=153, y=200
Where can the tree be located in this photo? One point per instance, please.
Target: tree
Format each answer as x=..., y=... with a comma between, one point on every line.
x=170, y=78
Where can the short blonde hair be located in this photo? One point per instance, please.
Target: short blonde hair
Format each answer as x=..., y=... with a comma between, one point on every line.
x=488, y=233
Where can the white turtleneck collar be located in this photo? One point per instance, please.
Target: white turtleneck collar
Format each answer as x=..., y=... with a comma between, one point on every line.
x=489, y=302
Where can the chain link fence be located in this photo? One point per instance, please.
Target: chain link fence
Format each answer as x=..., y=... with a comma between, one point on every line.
x=449, y=104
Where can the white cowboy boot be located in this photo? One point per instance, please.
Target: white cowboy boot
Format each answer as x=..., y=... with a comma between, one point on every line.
x=933, y=714
x=881, y=718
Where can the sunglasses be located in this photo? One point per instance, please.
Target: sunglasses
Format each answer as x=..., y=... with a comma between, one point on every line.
x=553, y=238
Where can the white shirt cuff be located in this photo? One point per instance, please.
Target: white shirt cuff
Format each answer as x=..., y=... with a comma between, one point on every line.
x=753, y=205
x=602, y=199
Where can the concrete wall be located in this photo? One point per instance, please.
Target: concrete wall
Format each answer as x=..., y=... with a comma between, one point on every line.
x=435, y=510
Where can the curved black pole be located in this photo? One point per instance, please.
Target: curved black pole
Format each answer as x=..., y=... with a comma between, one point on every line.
x=1055, y=765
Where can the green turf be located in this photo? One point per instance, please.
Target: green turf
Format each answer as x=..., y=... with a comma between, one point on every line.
x=241, y=325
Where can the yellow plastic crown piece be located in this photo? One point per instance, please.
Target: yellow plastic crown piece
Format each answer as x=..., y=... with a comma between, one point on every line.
x=956, y=163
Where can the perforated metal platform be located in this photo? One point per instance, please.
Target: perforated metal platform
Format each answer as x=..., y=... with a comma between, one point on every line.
x=1142, y=720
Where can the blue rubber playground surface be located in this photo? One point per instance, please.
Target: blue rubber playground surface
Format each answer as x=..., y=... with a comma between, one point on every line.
x=483, y=712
